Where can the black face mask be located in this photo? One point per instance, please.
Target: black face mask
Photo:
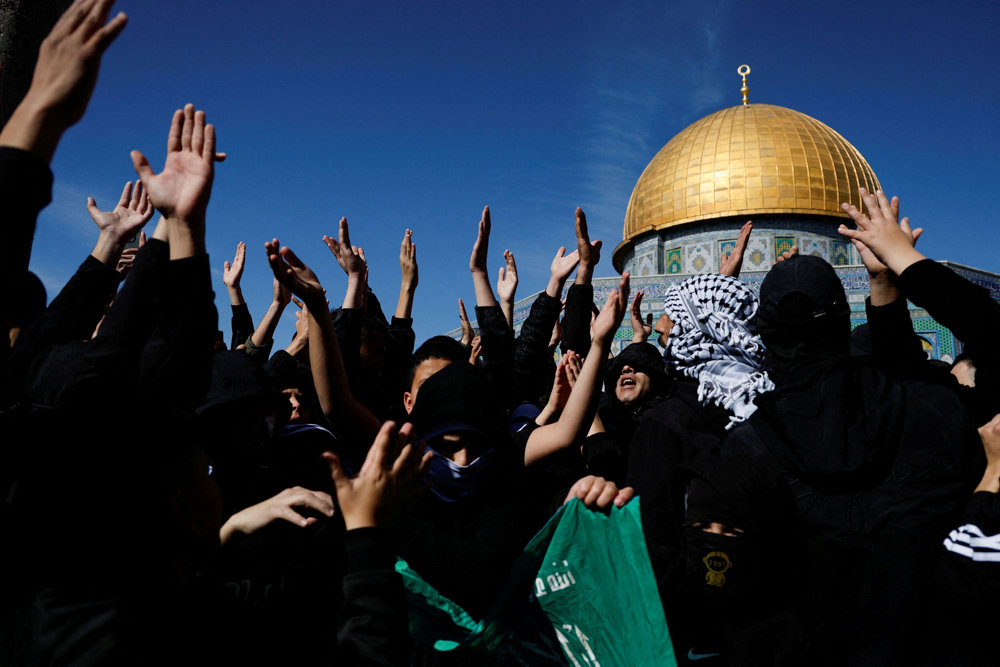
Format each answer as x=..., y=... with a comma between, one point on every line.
x=717, y=567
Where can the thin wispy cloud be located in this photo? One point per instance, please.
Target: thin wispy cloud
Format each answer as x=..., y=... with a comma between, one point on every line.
x=653, y=90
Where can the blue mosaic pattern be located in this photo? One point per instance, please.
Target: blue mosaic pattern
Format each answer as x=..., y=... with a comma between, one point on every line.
x=674, y=261
x=840, y=253
x=783, y=243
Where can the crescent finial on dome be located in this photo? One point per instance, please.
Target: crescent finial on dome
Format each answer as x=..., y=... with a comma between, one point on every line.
x=743, y=70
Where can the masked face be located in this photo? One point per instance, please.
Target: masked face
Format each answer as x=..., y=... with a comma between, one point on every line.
x=457, y=469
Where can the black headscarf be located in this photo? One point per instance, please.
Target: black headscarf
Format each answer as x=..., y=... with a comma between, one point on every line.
x=804, y=319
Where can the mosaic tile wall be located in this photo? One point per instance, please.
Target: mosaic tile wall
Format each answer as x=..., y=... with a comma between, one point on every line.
x=697, y=248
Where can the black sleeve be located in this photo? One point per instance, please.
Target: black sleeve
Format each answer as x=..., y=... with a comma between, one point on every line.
x=971, y=567
x=967, y=310
x=75, y=371
x=25, y=189
x=497, y=339
x=373, y=626
x=176, y=363
x=894, y=343
x=576, y=319
x=241, y=325
x=347, y=325
x=533, y=367
x=71, y=316
x=962, y=306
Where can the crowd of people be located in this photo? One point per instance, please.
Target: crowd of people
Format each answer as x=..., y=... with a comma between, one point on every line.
x=808, y=495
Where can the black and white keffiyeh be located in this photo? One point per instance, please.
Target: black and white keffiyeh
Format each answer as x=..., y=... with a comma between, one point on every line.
x=714, y=341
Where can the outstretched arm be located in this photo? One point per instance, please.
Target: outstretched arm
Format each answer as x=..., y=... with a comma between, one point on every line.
x=507, y=286
x=263, y=336
x=332, y=387
x=409, y=270
x=477, y=263
x=121, y=223
x=64, y=78
x=582, y=404
x=352, y=261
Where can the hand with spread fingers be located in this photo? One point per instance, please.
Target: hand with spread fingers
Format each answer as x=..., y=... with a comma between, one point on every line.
x=890, y=242
x=390, y=475
x=121, y=223
x=182, y=189
x=64, y=77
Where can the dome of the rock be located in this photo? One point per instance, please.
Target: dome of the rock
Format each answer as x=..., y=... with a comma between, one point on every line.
x=746, y=161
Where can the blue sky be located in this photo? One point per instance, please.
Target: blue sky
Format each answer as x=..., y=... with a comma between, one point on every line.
x=416, y=114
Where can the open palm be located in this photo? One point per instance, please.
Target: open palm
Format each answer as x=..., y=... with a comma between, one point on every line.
x=182, y=189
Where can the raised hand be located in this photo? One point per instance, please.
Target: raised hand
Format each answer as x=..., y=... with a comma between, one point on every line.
x=589, y=251
x=507, y=286
x=563, y=265
x=889, y=242
x=641, y=330
x=121, y=223
x=132, y=211
x=233, y=272
x=477, y=261
x=410, y=276
x=292, y=272
x=733, y=262
x=182, y=189
x=279, y=507
x=475, y=350
x=351, y=258
x=463, y=318
x=507, y=279
x=408, y=260
x=389, y=476
x=64, y=78
x=606, y=323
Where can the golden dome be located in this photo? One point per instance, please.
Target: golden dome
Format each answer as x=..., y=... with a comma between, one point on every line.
x=745, y=161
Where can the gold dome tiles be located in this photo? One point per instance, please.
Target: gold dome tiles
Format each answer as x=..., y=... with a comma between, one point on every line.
x=748, y=160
